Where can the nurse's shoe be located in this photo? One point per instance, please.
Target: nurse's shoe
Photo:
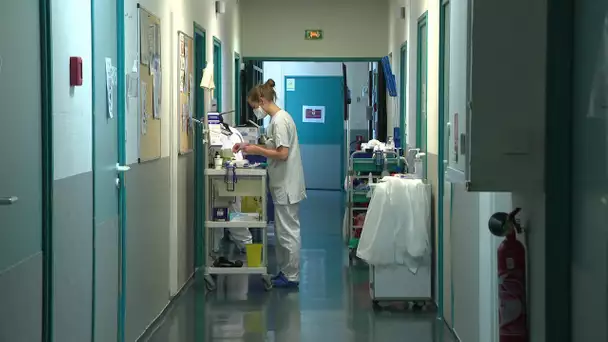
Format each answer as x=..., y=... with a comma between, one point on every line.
x=281, y=281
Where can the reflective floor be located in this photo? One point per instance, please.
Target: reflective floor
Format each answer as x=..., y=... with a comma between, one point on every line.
x=333, y=302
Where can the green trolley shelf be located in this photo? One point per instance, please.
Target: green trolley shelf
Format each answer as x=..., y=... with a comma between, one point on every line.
x=361, y=164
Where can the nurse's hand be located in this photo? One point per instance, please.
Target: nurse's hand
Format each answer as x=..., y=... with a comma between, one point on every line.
x=250, y=149
x=238, y=147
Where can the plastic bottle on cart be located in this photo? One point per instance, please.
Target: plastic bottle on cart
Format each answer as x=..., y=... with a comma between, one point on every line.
x=390, y=144
x=419, y=165
x=217, y=161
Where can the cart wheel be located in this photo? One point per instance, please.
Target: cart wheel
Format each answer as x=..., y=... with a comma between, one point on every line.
x=209, y=283
x=418, y=305
x=267, y=282
x=352, y=254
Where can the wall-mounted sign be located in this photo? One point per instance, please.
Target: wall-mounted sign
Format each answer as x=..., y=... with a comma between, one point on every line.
x=313, y=114
x=290, y=84
x=313, y=34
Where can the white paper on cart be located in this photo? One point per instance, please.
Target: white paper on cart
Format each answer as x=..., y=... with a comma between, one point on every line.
x=396, y=228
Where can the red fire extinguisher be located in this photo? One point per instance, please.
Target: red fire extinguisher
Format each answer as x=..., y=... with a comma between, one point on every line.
x=513, y=320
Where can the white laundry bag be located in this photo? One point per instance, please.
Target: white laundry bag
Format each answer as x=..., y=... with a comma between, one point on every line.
x=397, y=226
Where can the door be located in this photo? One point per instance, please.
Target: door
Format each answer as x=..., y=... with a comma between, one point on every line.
x=254, y=75
x=21, y=172
x=237, y=89
x=590, y=172
x=200, y=53
x=421, y=89
x=106, y=184
x=321, y=130
x=217, y=73
x=445, y=187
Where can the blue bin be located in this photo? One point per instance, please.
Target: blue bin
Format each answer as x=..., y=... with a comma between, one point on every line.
x=255, y=159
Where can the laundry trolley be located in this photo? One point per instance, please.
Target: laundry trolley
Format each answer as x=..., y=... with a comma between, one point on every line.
x=399, y=283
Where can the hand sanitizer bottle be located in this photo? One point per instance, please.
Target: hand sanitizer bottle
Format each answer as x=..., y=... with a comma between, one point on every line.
x=419, y=165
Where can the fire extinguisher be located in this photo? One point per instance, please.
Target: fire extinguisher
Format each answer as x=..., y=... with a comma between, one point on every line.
x=513, y=320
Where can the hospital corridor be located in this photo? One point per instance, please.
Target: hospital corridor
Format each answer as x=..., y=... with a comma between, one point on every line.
x=303, y=171
x=332, y=302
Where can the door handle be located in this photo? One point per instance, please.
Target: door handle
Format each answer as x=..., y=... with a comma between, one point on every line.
x=8, y=200
x=122, y=168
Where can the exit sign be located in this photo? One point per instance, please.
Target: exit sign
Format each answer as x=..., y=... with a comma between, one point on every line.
x=313, y=34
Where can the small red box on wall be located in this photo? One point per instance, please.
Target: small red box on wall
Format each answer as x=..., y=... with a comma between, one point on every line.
x=75, y=71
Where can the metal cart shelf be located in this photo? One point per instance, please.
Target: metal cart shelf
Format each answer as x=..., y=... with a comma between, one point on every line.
x=226, y=183
x=361, y=164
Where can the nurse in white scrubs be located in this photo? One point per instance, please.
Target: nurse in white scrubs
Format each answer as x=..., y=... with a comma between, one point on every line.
x=286, y=179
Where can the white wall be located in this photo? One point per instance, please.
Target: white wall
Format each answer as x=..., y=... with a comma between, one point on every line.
x=72, y=107
x=469, y=273
x=179, y=16
x=406, y=30
x=351, y=28
x=356, y=76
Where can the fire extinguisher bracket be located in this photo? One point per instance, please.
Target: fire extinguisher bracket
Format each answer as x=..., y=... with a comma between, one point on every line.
x=501, y=223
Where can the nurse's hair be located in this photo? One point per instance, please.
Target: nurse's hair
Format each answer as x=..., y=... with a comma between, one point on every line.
x=265, y=91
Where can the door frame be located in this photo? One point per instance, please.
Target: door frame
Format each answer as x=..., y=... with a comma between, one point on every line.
x=237, y=88
x=46, y=117
x=422, y=22
x=199, y=156
x=122, y=159
x=217, y=65
x=442, y=154
x=402, y=93
x=558, y=168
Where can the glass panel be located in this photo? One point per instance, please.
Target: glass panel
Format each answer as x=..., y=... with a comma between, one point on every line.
x=590, y=172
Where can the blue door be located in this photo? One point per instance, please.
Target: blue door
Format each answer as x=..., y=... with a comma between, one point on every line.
x=108, y=181
x=23, y=117
x=316, y=104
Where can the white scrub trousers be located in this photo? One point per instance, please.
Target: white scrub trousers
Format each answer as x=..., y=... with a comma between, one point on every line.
x=288, y=243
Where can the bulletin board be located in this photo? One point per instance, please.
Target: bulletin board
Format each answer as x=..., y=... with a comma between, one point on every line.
x=185, y=103
x=150, y=86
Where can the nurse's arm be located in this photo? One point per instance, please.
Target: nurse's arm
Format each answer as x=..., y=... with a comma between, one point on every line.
x=280, y=153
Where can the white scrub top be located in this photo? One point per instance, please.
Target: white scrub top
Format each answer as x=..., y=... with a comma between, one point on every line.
x=286, y=178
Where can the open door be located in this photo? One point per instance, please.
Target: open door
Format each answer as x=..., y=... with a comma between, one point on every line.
x=254, y=75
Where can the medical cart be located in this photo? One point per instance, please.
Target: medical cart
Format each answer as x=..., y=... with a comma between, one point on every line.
x=361, y=165
x=229, y=182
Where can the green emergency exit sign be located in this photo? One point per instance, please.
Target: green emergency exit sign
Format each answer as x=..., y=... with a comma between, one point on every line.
x=313, y=34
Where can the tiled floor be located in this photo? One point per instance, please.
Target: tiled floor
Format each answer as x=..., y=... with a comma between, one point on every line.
x=332, y=305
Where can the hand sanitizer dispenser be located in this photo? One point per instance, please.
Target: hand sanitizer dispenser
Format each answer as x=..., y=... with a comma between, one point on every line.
x=419, y=165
